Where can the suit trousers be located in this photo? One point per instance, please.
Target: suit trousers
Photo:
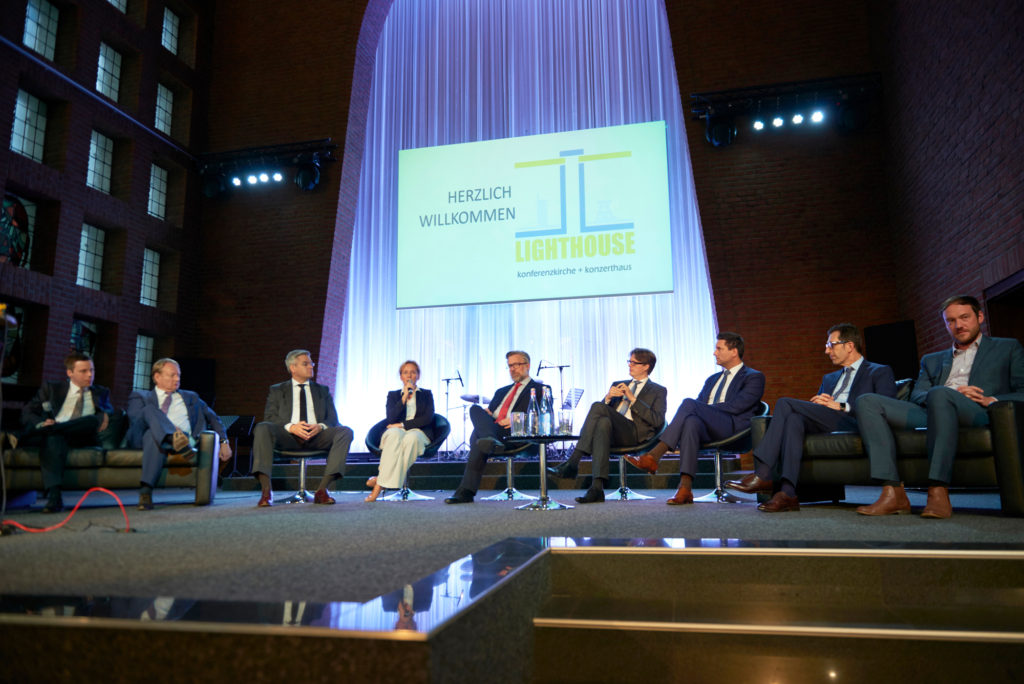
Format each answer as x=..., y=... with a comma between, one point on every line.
x=485, y=441
x=399, y=449
x=269, y=436
x=603, y=428
x=155, y=444
x=56, y=440
x=945, y=411
x=695, y=422
x=784, y=440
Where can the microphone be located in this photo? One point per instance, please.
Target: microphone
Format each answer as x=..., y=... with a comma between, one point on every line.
x=541, y=365
x=459, y=374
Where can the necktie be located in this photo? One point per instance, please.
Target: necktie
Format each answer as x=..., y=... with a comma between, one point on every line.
x=847, y=372
x=503, y=409
x=624, y=402
x=721, y=388
x=76, y=412
x=303, y=415
x=166, y=405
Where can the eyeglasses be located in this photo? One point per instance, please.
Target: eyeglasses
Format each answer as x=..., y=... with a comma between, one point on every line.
x=517, y=363
x=631, y=362
x=832, y=345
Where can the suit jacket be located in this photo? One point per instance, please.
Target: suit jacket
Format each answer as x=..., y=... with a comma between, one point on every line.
x=279, y=404
x=741, y=399
x=648, y=410
x=50, y=398
x=872, y=378
x=998, y=369
x=200, y=416
x=424, y=418
x=522, y=402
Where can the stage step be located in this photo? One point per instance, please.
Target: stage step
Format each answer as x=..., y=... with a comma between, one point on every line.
x=789, y=615
x=444, y=475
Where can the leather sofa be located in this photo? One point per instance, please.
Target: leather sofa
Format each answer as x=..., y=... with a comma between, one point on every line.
x=987, y=457
x=114, y=467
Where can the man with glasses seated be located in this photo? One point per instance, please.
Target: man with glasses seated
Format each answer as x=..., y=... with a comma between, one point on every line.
x=724, y=407
x=831, y=409
x=632, y=412
x=491, y=424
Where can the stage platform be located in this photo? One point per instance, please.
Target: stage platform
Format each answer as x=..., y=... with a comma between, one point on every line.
x=621, y=591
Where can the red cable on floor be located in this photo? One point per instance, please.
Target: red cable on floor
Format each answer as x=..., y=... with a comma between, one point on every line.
x=127, y=527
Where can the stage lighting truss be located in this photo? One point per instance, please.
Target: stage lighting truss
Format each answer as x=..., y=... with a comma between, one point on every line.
x=257, y=167
x=846, y=101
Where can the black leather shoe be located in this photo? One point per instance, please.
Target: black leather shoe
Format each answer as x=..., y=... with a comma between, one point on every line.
x=592, y=496
x=146, y=501
x=54, y=501
x=567, y=470
x=460, y=496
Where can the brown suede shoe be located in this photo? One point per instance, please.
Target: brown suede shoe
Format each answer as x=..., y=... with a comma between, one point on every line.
x=683, y=495
x=893, y=500
x=644, y=462
x=938, y=505
x=780, y=503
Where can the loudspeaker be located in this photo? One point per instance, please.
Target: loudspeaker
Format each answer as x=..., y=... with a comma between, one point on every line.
x=894, y=344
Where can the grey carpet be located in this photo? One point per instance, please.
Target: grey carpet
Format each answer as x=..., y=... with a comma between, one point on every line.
x=354, y=551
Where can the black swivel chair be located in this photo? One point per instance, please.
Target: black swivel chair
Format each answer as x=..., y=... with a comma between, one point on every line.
x=625, y=493
x=738, y=443
x=441, y=429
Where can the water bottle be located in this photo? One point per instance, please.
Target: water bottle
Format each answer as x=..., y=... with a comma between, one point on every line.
x=546, y=414
x=532, y=414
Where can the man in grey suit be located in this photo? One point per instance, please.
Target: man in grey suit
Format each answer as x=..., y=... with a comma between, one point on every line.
x=299, y=415
x=631, y=412
x=831, y=409
x=65, y=414
x=168, y=420
x=953, y=388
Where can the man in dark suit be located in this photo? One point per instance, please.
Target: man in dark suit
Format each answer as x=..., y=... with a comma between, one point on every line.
x=168, y=420
x=300, y=414
x=490, y=425
x=831, y=409
x=65, y=414
x=723, y=407
x=953, y=388
x=632, y=412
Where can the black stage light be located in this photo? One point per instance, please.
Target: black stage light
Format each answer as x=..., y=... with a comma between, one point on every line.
x=214, y=183
x=721, y=131
x=307, y=176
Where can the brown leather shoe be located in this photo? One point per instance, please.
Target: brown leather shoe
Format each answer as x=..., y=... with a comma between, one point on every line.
x=780, y=503
x=266, y=499
x=683, y=495
x=893, y=500
x=321, y=496
x=938, y=505
x=750, y=484
x=643, y=462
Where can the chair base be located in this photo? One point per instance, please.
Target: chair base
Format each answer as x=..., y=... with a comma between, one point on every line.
x=301, y=496
x=544, y=504
x=405, y=494
x=721, y=496
x=627, y=494
x=510, y=494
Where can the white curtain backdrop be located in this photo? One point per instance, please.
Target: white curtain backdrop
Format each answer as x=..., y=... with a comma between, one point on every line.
x=452, y=71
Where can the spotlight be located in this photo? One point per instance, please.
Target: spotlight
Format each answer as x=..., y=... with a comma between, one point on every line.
x=213, y=184
x=758, y=125
x=798, y=119
x=720, y=131
x=307, y=176
x=817, y=116
x=277, y=177
x=252, y=179
x=264, y=178
x=777, y=122
x=236, y=181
